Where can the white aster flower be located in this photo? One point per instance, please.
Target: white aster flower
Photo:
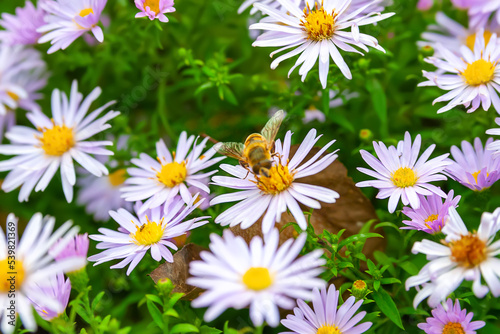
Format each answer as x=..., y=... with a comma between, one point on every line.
x=259, y=275
x=471, y=77
x=316, y=31
x=159, y=181
x=33, y=266
x=400, y=175
x=55, y=143
x=494, y=146
x=153, y=230
x=453, y=35
x=271, y=196
x=69, y=19
x=481, y=10
x=463, y=255
x=271, y=3
x=22, y=74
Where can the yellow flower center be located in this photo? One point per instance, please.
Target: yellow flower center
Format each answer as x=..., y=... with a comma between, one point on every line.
x=149, y=233
x=172, y=174
x=58, y=140
x=11, y=275
x=359, y=284
x=86, y=11
x=431, y=218
x=318, y=24
x=328, y=329
x=475, y=174
x=117, y=177
x=471, y=39
x=279, y=179
x=154, y=5
x=453, y=328
x=13, y=96
x=257, y=278
x=404, y=177
x=479, y=72
x=469, y=251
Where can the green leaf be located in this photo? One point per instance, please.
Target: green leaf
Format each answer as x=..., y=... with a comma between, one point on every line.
x=184, y=328
x=155, y=313
x=387, y=306
x=229, y=95
x=97, y=299
x=209, y=330
x=358, y=237
x=379, y=101
x=155, y=299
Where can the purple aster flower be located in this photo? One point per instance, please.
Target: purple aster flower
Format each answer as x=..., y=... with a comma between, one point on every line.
x=432, y=214
x=474, y=167
x=77, y=247
x=57, y=290
x=155, y=9
x=450, y=319
x=69, y=19
x=21, y=28
x=324, y=317
x=400, y=175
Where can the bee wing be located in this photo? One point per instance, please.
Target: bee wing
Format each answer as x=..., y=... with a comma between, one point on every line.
x=272, y=126
x=233, y=150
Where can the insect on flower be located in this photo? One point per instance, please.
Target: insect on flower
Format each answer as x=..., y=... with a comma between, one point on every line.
x=255, y=154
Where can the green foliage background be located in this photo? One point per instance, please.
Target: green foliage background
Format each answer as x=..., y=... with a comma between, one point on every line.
x=199, y=73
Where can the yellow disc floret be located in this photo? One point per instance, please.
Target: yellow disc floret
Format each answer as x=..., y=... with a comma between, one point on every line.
x=328, y=329
x=172, y=174
x=117, y=177
x=154, y=5
x=318, y=23
x=404, y=177
x=479, y=72
x=279, y=180
x=86, y=11
x=469, y=251
x=57, y=140
x=453, y=328
x=431, y=218
x=471, y=39
x=11, y=275
x=149, y=233
x=257, y=278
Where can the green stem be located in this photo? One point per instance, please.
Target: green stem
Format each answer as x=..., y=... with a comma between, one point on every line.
x=163, y=112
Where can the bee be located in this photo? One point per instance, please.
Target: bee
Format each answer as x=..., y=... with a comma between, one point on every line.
x=255, y=154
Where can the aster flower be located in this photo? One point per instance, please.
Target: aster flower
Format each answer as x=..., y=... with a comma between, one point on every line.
x=77, y=247
x=452, y=35
x=55, y=143
x=462, y=255
x=432, y=214
x=494, y=146
x=271, y=196
x=271, y=3
x=324, y=316
x=152, y=229
x=469, y=77
x=7, y=121
x=425, y=4
x=56, y=289
x=316, y=31
x=481, y=10
x=69, y=19
x=159, y=181
x=259, y=275
x=474, y=167
x=155, y=9
x=21, y=28
x=399, y=174
x=22, y=75
x=451, y=319
x=33, y=266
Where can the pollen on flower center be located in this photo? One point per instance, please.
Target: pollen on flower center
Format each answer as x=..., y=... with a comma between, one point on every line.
x=149, y=233
x=279, y=180
x=328, y=329
x=257, y=278
x=469, y=251
x=471, y=39
x=453, y=328
x=57, y=140
x=431, y=218
x=318, y=24
x=86, y=11
x=404, y=177
x=172, y=174
x=476, y=174
x=154, y=5
x=117, y=177
x=479, y=72
x=13, y=96
x=6, y=271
